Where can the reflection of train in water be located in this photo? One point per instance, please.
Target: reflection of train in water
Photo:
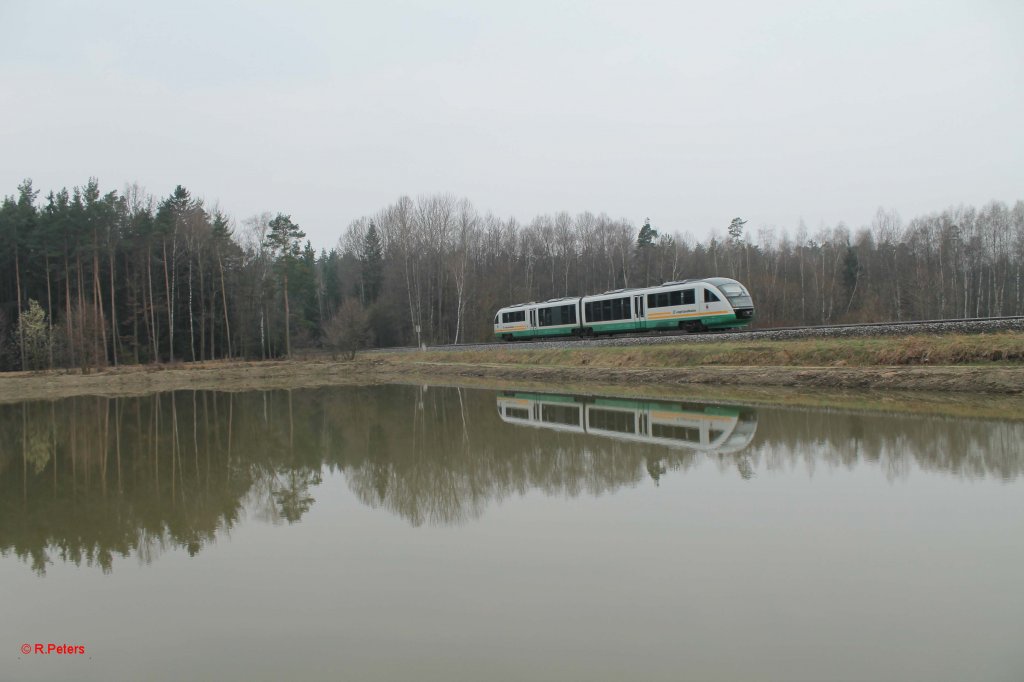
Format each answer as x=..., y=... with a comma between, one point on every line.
x=694, y=426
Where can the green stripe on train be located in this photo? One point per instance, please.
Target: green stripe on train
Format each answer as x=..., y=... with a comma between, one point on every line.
x=625, y=326
x=681, y=408
x=531, y=333
x=710, y=321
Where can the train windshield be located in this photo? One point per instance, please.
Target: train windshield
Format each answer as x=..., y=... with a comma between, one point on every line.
x=733, y=290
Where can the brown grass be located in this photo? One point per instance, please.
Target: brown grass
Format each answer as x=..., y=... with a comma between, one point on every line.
x=1006, y=348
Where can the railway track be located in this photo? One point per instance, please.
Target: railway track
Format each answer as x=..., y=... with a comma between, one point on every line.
x=975, y=325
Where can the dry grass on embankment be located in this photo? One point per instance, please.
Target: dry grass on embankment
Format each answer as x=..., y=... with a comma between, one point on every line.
x=984, y=363
x=990, y=363
x=1000, y=349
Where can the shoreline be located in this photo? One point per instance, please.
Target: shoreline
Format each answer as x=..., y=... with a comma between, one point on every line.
x=969, y=390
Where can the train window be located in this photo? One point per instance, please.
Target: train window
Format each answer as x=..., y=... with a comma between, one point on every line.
x=563, y=314
x=602, y=311
x=683, y=433
x=560, y=414
x=667, y=298
x=688, y=297
x=732, y=289
x=518, y=316
x=612, y=420
x=495, y=319
x=710, y=296
x=517, y=413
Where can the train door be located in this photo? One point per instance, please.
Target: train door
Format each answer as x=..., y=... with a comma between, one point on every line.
x=710, y=301
x=533, y=318
x=639, y=313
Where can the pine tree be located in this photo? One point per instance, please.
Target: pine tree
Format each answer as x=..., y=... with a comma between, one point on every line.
x=644, y=246
x=647, y=235
x=373, y=263
x=736, y=229
x=283, y=243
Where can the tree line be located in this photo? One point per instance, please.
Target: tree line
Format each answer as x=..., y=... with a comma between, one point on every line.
x=91, y=278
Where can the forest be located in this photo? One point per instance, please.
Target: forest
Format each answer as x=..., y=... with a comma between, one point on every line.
x=92, y=278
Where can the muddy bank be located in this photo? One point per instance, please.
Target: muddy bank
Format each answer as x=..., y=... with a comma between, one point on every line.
x=1004, y=380
x=216, y=376
x=999, y=380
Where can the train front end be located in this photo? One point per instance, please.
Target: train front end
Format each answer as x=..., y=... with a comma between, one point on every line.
x=738, y=297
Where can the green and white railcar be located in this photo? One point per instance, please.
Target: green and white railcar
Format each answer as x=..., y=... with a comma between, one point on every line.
x=556, y=317
x=613, y=312
x=693, y=304
x=713, y=303
x=696, y=305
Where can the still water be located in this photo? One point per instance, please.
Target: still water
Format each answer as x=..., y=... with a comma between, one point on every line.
x=417, y=533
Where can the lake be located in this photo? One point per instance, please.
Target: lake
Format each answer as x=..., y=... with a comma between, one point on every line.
x=432, y=533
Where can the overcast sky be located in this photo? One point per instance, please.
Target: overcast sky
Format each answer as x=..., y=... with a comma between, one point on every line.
x=688, y=113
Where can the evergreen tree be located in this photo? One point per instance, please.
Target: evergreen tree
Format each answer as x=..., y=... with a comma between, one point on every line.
x=736, y=229
x=283, y=244
x=373, y=263
x=644, y=246
x=647, y=235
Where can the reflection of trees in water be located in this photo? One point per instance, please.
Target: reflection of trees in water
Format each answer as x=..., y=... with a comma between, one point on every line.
x=118, y=476
x=896, y=443
x=87, y=479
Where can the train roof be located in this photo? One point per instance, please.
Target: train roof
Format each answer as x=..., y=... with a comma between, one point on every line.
x=714, y=281
x=550, y=300
x=721, y=280
x=618, y=291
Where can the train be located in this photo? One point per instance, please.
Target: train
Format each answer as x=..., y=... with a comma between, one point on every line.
x=693, y=305
x=721, y=429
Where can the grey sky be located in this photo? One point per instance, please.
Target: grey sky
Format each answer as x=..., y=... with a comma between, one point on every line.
x=688, y=113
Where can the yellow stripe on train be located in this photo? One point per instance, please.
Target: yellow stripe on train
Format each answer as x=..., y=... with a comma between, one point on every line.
x=669, y=316
x=693, y=416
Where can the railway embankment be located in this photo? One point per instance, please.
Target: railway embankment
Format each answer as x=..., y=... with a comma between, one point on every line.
x=990, y=363
x=978, y=363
